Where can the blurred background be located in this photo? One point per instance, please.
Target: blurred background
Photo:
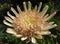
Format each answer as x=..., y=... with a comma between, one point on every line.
x=5, y=5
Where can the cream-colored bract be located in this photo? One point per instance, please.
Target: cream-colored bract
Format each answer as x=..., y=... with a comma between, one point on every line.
x=30, y=23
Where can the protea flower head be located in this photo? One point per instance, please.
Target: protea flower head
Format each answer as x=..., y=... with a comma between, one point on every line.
x=30, y=23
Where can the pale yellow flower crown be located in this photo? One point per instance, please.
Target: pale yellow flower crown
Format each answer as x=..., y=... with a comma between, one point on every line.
x=30, y=23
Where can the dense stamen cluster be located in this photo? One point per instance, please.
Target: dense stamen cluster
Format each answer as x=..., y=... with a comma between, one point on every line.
x=30, y=24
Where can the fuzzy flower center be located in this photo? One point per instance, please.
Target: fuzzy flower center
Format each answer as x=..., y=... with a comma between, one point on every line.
x=27, y=23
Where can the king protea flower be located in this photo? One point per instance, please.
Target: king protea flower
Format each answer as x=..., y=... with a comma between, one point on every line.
x=30, y=23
